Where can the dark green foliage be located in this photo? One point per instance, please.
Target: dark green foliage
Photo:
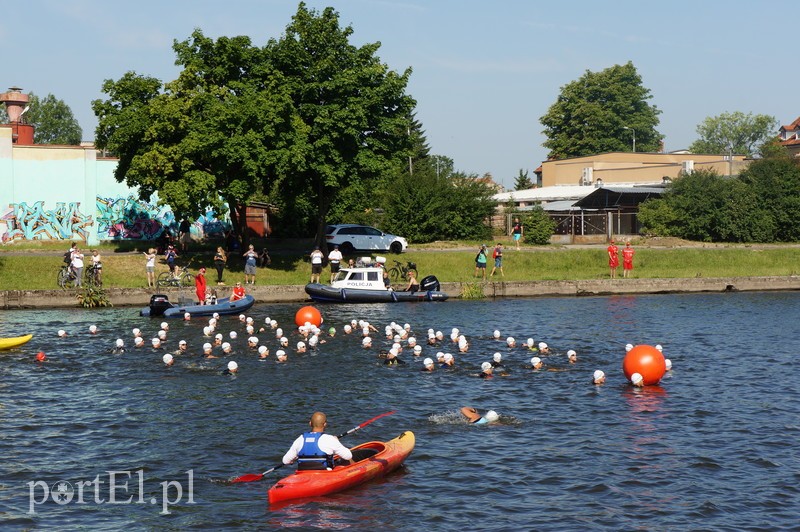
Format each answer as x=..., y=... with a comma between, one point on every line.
x=591, y=114
x=735, y=132
x=522, y=181
x=441, y=205
x=539, y=227
x=776, y=184
x=53, y=120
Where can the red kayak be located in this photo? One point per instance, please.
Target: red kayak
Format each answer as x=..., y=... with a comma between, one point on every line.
x=384, y=457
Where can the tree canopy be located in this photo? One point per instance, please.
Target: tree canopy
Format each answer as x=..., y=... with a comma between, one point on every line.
x=522, y=181
x=303, y=121
x=735, y=132
x=600, y=112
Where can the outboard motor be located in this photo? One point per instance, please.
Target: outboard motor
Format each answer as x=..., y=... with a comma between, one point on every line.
x=158, y=304
x=429, y=283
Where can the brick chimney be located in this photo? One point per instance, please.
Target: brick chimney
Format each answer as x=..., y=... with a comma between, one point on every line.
x=15, y=101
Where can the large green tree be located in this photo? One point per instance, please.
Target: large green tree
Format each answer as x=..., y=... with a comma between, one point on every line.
x=601, y=112
x=352, y=121
x=735, y=132
x=210, y=138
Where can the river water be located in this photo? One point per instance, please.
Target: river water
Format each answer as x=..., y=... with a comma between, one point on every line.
x=715, y=446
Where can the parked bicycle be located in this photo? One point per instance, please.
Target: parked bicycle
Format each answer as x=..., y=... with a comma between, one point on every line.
x=66, y=276
x=182, y=278
x=400, y=270
x=92, y=276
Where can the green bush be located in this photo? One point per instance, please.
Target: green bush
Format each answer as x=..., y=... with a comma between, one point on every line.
x=538, y=227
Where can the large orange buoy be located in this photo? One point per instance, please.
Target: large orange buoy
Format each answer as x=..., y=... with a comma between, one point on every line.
x=645, y=360
x=308, y=315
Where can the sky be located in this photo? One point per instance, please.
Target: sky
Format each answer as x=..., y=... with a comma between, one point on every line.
x=484, y=73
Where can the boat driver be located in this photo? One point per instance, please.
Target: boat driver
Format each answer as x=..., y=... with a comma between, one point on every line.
x=315, y=449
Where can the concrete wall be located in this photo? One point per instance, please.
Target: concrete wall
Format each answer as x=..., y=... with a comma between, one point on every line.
x=69, y=193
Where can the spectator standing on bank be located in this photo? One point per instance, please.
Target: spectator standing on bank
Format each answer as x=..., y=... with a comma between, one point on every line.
x=171, y=255
x=627, y=259
x=185, y=234
x=251, y=256
x=97, y=266
x=613, y=258
x=517, y=232
x=498, y=259
x=150, y=267
x=220, y=258
x=480, y=262
x=316, y=264
x=335, y=258
x=77, y=266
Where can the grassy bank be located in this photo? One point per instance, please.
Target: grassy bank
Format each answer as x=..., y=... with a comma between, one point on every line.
x=38, y=269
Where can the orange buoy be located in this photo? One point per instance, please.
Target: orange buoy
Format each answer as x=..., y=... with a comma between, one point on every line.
x=308, y=315
x=645, y=360
x=40, y=356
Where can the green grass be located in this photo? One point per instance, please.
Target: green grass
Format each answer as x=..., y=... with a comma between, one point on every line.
x=126, y=270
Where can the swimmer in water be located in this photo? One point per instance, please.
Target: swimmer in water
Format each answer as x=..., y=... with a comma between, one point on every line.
x=572, y=356
x=232, y=368
x=637, y=380
x=281, y=356
x=475, y=418
x=263, y=352
x=428, y=365
x=536, y=363
x=599, y=377
x=486, y=371
x=119, y=347
x=208, y=350
x=543, y=349
x=168, y=360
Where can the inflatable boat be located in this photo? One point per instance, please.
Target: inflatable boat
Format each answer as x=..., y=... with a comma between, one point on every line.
x=364, y=284
x=161, y=306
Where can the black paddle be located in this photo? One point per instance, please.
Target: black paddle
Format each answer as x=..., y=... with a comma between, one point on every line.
x=252, y=477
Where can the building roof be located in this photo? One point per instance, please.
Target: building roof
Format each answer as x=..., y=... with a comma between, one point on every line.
x=618, y=197
x=555, y=193
x=793, y=126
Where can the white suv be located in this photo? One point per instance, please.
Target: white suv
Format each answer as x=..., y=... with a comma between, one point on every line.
x=351, y=237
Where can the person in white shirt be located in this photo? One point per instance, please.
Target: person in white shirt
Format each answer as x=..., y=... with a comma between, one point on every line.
x=316, y=264
x=315, y=449
x=77, y=266
x=335, y=258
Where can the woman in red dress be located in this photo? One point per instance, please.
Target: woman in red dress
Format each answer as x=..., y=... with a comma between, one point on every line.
x=613, y=258
x=200, y=286
x=627, y=259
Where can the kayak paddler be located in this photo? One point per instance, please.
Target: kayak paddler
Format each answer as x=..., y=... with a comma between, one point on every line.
x=315, y=449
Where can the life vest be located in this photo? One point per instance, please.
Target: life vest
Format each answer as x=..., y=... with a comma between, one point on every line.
x=311, y=456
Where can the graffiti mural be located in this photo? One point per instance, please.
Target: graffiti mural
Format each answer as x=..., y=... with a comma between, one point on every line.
x=131, y=218
x=34, y=222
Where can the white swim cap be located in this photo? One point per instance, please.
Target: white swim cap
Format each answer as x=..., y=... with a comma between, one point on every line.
x=496, y=334
x=167, y=358
x=448, y=357
x=300, y=345
x=407, y=327
x=348, y=328
x=542, y=345
x=497, y=357
x=660, y=349
x=212, y=321
x=412, y=341
x=491, y=416
x=668, y=363
x=486, y=366
x=92, y=329
x=262, y=349
x=233, y=335
x=510, y=340
x=598, y=374
x=164, y=325
x=186, y=315
x=232, y=366
x=366, y=341
x=396, y=346
x=529, y=342
x=206, y=346
x=280, y=353
x=62, y=332
x=161, y=334
x=135, y=332
x=278, y=332
x=119, y=342
x=428, y=362
x=218, y=336
x=155, y=341
x=273, y=323
x=252, y=340
x=628, y=347
x=226, y=345
x=215, y=315
x=636, y=378
x=241, y=317
x=139, y=340
x=207, y=331
x=249, y=320
x=535, y=361
x=454, y=331
x=418, y=349
x=182, y=342
x=314, y=340
x=571, y=353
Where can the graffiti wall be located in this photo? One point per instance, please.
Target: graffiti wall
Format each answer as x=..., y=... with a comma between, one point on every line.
x=21, y=221
x=130, y=218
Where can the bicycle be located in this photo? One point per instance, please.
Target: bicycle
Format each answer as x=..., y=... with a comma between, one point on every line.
x=400, y=270
x=65, y=277
x=92, y=276
x=184, y=278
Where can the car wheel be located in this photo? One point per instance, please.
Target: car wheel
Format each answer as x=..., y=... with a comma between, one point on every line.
x=347, y=248
x=396, y=247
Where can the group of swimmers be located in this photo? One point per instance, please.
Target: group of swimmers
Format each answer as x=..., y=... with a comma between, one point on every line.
x=389, y=349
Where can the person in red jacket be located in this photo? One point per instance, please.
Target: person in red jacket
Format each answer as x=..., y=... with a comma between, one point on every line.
x=613, y=258
x=200, y=286
x=238, y=293
x=627, y=259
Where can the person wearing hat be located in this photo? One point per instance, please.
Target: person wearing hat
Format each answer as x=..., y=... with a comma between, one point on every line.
x=637, y=380
x=486, y=371
x=427, y=365
x=208, y=350
x=316, y=264
x=536, y=363
x=183, y=348
x=447, y=361
x=613, y=258
x=251, y=256
x=138, y=342
x=281, y=355
x=497, y=361
x=475, y=418
x=315, y=450
x=171, y=255
x=543, y=348
x=200, y=286
x=480, y=262
x=263, y=352
x=598, y=377
x=119, y=347
x=572, y=356
x=335, y=258
x=168, y=360
x=232, y=368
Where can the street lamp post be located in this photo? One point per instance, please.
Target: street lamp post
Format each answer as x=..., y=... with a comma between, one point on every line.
x=634, y=136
